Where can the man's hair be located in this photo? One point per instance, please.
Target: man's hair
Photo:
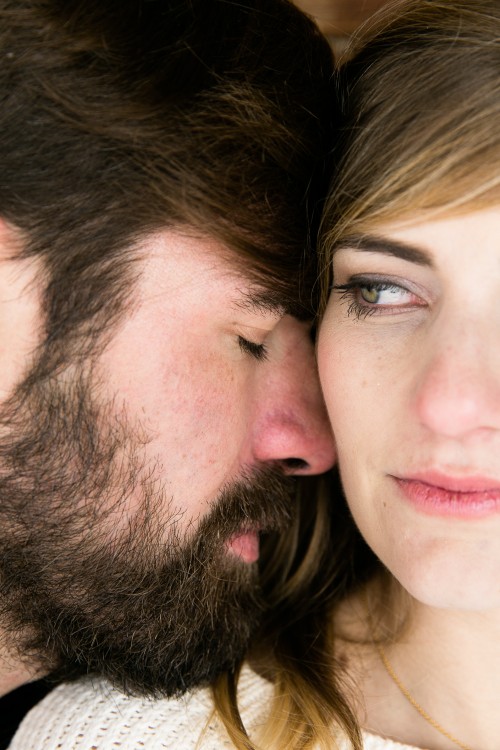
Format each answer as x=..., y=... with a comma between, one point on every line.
x=122, y=117
x=419, y=138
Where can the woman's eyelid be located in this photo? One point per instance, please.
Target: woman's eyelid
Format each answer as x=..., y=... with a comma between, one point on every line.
x=352, y=265
x=388, y=295
x=393, y=295
x=378, y=285
x=382, y=282
x=379, y=296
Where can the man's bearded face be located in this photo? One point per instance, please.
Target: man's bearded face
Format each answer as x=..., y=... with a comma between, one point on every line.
x=133, y=487
x=85, y=588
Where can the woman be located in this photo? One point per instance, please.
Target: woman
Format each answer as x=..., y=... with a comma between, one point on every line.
x=406, y=644
x=409, y=341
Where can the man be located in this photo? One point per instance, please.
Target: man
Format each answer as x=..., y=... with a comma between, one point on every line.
x=160, y=167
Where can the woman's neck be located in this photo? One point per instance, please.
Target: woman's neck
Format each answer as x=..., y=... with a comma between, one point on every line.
x=449, y=662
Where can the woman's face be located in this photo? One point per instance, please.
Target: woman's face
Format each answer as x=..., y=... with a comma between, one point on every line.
x=409, y=359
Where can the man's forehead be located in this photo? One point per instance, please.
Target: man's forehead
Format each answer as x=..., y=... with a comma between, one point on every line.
x=257, y=293
x=187, y=256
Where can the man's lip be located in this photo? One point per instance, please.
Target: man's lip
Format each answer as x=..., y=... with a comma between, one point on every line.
x=453, y=483
x=245, y=545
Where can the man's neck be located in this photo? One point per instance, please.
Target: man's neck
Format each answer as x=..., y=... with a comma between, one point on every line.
x=12, y=680
x=13, y=674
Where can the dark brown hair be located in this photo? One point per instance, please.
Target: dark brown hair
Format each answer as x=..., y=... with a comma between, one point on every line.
x=119, y=117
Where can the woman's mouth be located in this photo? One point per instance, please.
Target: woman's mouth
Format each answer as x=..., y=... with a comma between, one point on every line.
x=439, y=494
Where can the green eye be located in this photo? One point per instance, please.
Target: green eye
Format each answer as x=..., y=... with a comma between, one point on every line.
x=369, y=293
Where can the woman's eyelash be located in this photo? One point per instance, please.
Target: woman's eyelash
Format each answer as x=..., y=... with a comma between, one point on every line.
x=258, y=351
x=355, y=292
x=348, y=294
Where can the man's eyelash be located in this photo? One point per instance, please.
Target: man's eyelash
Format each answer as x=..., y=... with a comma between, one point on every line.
x=258, y=351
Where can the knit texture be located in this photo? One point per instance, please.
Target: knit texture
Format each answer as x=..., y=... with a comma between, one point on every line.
x=92, y=715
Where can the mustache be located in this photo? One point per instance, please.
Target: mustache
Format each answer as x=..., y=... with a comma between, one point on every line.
x=192, y=610
x=262, y=500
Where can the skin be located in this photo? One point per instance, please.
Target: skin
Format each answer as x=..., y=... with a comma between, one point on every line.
x=411, y=377
x=19, y=312
x=212, y=408
x=177, y=364
x=203, y=383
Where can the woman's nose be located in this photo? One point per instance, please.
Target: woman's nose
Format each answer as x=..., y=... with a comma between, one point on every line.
x=459, y=386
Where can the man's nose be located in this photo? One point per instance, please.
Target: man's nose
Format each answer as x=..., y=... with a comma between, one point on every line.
x=290, y=427
x=458, y=391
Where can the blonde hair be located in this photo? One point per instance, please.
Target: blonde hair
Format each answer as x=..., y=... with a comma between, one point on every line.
x=421, y=130
x=302, y=580
x=420, y=136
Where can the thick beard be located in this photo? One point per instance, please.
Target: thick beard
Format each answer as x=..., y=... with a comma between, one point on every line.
x=84, y=588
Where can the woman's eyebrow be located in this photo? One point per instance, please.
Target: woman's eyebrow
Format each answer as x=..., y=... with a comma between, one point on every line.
x=376, y=244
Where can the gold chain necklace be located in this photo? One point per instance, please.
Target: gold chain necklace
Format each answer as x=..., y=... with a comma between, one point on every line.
x=409, y=697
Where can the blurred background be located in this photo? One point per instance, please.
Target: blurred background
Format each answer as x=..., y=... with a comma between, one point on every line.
x=337, y=19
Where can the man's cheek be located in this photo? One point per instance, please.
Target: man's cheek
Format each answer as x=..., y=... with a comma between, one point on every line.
x=199, y=438
x=20, y=320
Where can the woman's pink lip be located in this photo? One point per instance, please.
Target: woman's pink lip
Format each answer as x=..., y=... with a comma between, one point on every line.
x=470, y=483
x=441, y=495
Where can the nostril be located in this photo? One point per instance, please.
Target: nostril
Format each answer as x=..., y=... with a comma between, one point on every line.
x=294, y=464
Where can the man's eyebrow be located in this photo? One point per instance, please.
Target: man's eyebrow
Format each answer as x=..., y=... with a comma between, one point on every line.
x=376, y=244
x=264, y=302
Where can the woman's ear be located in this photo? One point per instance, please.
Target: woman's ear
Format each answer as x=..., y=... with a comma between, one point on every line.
x=20, y=309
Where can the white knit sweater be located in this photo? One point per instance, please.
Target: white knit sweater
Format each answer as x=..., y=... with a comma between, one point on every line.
x=92, y=715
